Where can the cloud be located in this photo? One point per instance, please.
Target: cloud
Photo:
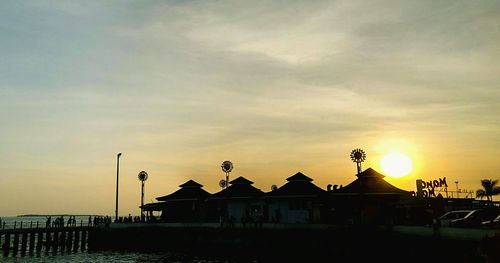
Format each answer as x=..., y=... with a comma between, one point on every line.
x=277, y=86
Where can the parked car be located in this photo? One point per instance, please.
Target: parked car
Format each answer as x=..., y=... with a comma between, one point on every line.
x=476, y=217
x=495, y=223
x=447, y=218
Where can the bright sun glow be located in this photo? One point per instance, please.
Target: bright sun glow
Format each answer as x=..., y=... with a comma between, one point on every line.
x=396, y=164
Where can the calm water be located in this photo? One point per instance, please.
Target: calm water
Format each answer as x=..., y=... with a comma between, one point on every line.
x=105, y=256
x=111, y=256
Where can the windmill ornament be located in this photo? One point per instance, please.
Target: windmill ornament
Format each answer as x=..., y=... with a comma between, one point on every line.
x=227, y=167
x=358, y=156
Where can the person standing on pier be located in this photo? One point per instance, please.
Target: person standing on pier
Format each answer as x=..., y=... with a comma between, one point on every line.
x=47, y=223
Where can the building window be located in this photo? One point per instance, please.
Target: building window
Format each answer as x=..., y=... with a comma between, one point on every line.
x=298, y=205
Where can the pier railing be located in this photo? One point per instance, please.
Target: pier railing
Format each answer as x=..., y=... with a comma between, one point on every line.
x=38, y=224
x=33, y=240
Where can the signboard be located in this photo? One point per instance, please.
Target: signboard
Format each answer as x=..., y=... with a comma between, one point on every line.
x=427, y=188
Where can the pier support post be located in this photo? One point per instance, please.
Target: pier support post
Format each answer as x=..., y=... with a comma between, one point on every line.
x=77, y=240
x=48, y=241
x=69, y=241
x=62, y=240
x=32, y=243
x=6, y=244
x=84, y=240
x=15, y=247
x=55, y=243
x=39, y=242
x=24, y=242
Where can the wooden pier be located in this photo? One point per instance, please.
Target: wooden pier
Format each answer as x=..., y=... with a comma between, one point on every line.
x=34, y=241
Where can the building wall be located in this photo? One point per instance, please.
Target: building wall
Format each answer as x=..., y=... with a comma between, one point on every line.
x=295, y=210
x=250, y=210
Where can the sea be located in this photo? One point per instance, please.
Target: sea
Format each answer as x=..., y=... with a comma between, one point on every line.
x=114, y=256
x=100, y=256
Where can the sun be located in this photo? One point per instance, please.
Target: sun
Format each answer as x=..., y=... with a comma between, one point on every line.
x=396, y=164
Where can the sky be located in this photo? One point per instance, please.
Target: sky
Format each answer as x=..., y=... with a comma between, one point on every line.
x=276, y=87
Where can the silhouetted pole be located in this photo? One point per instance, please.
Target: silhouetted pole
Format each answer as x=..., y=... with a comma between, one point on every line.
x=358, y=156
x=142, y=198
x=227, y=179
x=117, y=176
x=227, y=167
x=143, y=176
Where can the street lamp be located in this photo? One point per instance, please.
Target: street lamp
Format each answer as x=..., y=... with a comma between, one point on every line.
x=117, y=176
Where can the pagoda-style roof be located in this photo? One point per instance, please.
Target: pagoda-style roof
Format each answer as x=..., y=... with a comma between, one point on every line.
x=190, y=190
x=153, y=206
x=239, y=188
x=298, y=185
x=240, y=180
x=370, y=173
x=299, y=177
x=370, y=182
x=190, y=183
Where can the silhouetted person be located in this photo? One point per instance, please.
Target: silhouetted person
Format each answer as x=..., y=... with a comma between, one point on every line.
x=436, y=224
x=48, y=222
x=231, y=221
x=0, y=222
x=222, y=221
x=278, y=215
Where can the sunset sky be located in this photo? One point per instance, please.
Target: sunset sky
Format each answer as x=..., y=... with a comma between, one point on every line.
x=276, y=87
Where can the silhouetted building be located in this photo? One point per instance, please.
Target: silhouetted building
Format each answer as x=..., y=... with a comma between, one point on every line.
x=297, y=201
x=368, y=199
x=241, y=200
x=184, y=205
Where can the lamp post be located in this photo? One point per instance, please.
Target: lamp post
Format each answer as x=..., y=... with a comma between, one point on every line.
x=117, y=176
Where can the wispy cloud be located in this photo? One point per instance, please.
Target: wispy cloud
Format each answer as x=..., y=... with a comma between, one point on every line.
x=277, y=86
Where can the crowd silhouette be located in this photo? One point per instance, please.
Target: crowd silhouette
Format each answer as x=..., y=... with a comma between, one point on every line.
x=71, y=221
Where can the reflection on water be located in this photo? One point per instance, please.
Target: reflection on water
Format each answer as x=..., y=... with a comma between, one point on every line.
x=124, y=257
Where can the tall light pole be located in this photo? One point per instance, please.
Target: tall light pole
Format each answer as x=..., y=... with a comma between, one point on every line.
x=117, y=176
